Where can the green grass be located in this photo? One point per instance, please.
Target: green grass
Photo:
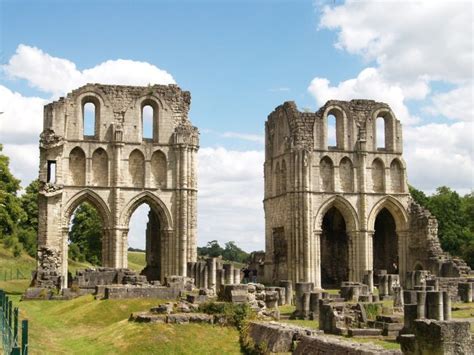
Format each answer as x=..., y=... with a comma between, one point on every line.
x=384, y=343
x=136, y=260
x=85, y=325
x=465, y=310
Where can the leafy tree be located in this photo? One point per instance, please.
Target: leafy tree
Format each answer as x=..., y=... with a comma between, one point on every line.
x=10, y=209
x=28, y=231
x=233, y=253
x=86, y=234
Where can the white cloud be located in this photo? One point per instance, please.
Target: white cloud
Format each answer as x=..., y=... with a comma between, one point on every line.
x=58, y=75
x=230, y=194
x=24, y=161
x=369, y=84
x=440, y=154
x=455, y=104
x=22, y=118
x=408, y=39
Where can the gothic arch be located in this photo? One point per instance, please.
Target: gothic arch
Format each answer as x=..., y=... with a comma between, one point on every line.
x=344, y=207
x=396, y=209
x=87, y=195
x=389, y=128
x=154, y=202
x=341, y=125
x=346, y=174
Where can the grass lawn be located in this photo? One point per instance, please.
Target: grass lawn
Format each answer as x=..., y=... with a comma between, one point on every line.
x=88, y=326
x=136, y=260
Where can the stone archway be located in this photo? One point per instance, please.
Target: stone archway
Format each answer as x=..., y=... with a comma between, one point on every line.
x=385, y=243
x=90, y=197
x=334, y=249
x=158, y=231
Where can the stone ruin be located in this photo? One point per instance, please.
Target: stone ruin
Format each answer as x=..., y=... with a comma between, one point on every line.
x=334, y=210
x=115, y=158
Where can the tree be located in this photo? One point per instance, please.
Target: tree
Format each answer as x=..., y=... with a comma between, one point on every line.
x=10, y=209
x=233, y=253
x=28, y=231
x=86, y=234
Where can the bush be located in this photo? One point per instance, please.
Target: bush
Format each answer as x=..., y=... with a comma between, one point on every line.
x=17, y=250
x=235, y=314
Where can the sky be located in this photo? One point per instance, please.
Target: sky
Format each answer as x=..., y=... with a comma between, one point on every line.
x=239, y=60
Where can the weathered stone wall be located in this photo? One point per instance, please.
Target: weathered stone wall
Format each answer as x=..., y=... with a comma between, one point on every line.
x=116, y=169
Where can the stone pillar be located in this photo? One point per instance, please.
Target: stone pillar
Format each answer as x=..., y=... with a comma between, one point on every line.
x=302, y=288
x=229, y=273
x=465, y=291
x=236, y=276
x=421, y=304
x=220, y=279
x=370, y=280
x=314, y=304
x=410, y=312
x=383, y=285
x=316, y=258
x=435, y=307
x=446, y=306
x=205, y=275
x=288, y=285
x=211, y=267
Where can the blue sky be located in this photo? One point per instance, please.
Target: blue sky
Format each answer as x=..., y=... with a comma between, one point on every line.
x=241, y=59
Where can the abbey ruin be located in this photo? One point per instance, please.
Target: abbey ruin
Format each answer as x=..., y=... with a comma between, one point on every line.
x=333, y=213
x=116, y=168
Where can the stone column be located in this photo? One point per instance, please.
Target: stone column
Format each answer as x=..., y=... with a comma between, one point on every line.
x=288, y=285
x=435, y=307
x=420, y=304
x=211, y=266
x=446, y=306
x=229, y=273
x=301, y=289
x=236, y=276
x=317, y=258
x=402, y=255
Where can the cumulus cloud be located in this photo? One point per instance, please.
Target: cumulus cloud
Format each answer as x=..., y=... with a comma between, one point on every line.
x=455, y=104
x=21, y=120
x=408, y=39
x=230, y=203
x=368, y=84
x=58, y=75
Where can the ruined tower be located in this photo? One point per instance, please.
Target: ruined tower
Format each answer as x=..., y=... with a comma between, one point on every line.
x=116, y=166
x=335, y=210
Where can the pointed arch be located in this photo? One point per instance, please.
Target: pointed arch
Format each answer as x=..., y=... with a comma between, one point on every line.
x=396, y=209
x=89, y=196
x=136, y=168
x=77, y=166
x=397, y=176
x=340, y=126
x=326, y=172
x=155, y=204
x=159, y=169
x=346, y=174
x=345, y=208
x=100, y=168
x=378, y=175
x=386, y=115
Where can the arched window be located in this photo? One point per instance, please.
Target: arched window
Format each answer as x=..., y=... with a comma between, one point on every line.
x=380, y=134
x=327, y=173
x=100, y=168
x=89, y=118
x=136, y=168
x=148, y=114
x=332, y=131
x=77, y=167
x=377, y=176
x=346, y=174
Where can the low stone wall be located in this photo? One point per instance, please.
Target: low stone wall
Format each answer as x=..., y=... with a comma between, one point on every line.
x=128, y=291
x=331, y=345
x=277, y=337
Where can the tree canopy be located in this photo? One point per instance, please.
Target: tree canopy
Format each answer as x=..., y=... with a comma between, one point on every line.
x=231, y=252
